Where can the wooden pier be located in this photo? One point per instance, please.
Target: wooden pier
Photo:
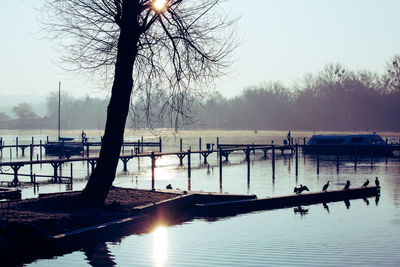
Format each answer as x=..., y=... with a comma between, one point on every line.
x=138, y=145
x=248, y=205
x=92, y=161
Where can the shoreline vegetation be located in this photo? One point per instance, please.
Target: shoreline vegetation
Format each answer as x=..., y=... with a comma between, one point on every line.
x=336, y=98
x=26, y=224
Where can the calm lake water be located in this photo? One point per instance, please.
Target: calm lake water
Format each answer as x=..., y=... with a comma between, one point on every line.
x=364, y=232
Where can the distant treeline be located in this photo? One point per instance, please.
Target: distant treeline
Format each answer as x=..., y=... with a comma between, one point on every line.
x=334, y=99
x=77, y=113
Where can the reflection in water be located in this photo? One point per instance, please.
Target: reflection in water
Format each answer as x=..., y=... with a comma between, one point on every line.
x=366, y=201
x=376, y=200
x=347, y=203
x=160, y=245
x=300, y=210
x=99, y=255
x=326, y=207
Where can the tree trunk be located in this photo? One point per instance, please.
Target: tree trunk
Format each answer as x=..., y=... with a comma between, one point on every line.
x=103, y=176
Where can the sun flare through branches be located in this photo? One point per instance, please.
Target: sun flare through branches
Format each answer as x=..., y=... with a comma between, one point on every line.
x=159, y=5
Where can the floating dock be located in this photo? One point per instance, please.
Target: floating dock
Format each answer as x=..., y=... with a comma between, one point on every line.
x=248, y=205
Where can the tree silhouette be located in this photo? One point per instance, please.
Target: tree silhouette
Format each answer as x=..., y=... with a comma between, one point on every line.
x=22, y=111
x=176, y=47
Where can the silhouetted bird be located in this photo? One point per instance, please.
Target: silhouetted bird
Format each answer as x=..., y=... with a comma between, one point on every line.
x=376, y=181
x=366, y=183
x=347, y=186
x=169, y=186
x=304, y=188
x=300, y=189
x=325, y=186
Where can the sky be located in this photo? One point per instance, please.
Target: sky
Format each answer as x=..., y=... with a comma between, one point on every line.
x=281, y=41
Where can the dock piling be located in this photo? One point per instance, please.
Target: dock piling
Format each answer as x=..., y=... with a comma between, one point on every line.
x=41, y=148
x=16, y=146
x=248, y=163
x=297, y=159
x=189, y=165
x=153, y=161
x=273, y=159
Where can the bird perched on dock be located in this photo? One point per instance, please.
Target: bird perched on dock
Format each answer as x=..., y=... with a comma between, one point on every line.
x=376, y=181
x=347, y=185
x=300, y=189
x=325, y=186
x=366, y=183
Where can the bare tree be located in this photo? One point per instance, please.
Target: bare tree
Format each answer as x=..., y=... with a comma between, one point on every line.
x=22, y=111
x=167, y=51
x=392, y=77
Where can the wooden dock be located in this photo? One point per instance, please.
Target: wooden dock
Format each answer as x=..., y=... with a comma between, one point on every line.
x=248, y=205
x=57, y=163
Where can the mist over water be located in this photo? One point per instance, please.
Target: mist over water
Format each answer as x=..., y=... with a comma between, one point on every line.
x=361, y=232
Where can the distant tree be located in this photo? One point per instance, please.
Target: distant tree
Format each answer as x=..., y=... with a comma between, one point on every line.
x=392, y=76
x=22, y=111
x=176, y=46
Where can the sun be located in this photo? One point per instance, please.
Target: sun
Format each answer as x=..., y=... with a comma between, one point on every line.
x=159, y=5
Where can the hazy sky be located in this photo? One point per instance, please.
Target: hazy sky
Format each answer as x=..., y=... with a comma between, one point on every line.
x=282, y=40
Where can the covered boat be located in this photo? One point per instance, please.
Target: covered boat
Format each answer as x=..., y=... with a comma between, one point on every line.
x=65, y=147
x=348, y=144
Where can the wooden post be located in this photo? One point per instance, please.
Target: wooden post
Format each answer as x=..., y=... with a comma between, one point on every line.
x=248, y=163
x=189, y=165
x=220, y=163
x=71, y=172
x=47, y=139
x=304, y=141
x=153, y=161
x=142, y=144
x=220, y=170
x=297, y=160
x=160, y=144
x=217, y=142
x=87, y=150
x=200, y=150
x=41, y=149
x=10, y=154
x=180, y=145
x=16, y=146
x=273, y=160
x=31, y=158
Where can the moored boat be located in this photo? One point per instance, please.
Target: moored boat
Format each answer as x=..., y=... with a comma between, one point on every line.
x=348, y=144
x=64, y=147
